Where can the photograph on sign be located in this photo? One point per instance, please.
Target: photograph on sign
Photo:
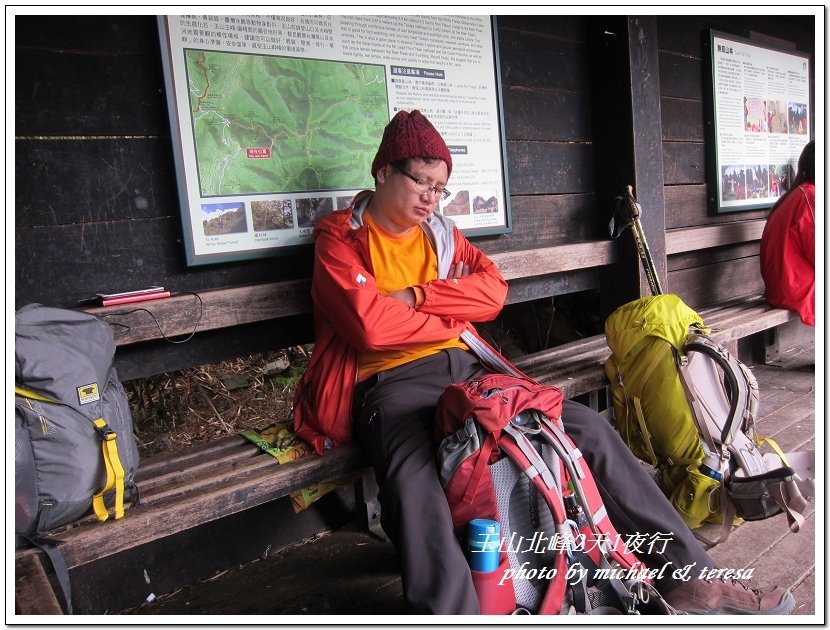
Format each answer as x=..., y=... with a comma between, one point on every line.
x=276, y=120
x=758, y=118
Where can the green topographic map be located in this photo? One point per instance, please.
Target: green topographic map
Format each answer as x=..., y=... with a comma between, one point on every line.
x=279, y=124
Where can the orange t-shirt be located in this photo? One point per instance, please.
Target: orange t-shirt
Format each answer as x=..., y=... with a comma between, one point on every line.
x=400, y=261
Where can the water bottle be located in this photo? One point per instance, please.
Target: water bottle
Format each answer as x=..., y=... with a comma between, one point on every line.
x=483, y=545
x=710, y=466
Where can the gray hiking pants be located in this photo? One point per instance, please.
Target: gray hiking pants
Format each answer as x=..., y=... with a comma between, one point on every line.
x=394, y=414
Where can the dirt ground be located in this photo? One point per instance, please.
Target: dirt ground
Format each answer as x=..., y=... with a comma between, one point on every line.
x=177, y=409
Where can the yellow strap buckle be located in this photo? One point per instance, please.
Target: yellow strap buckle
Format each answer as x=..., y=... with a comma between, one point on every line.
x=104, y=430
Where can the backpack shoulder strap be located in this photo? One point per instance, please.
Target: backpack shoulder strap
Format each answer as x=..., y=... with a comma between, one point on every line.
x=744, y=403
x=58, y=564
x=24, y=392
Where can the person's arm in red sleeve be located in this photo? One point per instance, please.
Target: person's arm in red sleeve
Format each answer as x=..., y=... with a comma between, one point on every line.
x=807, y=226
x=475, y=297
x=346, y=291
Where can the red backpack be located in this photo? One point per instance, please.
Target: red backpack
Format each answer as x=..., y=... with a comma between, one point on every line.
x=504, y=455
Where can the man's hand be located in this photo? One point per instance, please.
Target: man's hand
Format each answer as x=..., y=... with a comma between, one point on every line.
x=459, y=270
x=404, y=296
x=408, y=297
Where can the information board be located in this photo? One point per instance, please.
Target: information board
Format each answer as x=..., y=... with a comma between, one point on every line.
x=276, y=120
x=758, y=119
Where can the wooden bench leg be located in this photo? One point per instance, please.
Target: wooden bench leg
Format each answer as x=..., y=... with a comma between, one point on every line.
x=608, y=400
x=369, y=490
x=33, y=593
x=732, y=347
x=771, y=347
x=593, y=400
x=600, y=400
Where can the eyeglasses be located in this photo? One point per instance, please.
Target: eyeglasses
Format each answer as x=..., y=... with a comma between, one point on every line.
x=425, y=187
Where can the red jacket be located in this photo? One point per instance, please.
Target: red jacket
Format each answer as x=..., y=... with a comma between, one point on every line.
x=351, y=315
x=788, y=251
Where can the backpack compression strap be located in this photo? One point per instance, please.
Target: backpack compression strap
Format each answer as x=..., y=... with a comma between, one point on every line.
x=115, y=473
x=544, y=480
x=632, y=389
x=112, y=463
x=634, y=398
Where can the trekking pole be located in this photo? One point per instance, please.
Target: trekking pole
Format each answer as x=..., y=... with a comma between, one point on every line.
x=628, y=214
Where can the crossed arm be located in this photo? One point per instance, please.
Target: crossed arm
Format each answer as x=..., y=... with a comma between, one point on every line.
x=345, y=291
x=409, y=296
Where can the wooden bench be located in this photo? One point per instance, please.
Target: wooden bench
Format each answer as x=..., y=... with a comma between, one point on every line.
x=577, y=367
x=188, y=488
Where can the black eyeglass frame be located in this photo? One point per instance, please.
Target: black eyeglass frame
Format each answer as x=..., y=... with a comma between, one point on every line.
x=443, y=193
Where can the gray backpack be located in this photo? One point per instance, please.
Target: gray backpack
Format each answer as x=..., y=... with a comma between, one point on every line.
x=75, y=451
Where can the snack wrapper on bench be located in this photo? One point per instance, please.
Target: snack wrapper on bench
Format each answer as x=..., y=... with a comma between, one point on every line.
x=286, y=446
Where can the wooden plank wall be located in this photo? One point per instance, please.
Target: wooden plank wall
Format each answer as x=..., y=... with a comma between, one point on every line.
x=545, y=66
x=706, y=276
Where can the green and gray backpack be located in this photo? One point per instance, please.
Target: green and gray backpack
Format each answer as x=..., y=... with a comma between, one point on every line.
x=687, y=406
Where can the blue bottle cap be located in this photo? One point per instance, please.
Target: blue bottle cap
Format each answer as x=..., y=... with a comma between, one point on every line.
x=484, y=532
x=483, y=544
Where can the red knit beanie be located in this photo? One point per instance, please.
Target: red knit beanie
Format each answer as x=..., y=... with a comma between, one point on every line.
x=410, y=135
